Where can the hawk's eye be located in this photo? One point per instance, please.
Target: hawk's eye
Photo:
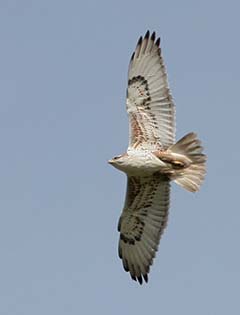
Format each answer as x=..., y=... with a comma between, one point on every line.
x=116, y=157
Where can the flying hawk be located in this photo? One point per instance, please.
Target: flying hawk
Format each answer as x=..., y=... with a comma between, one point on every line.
x=152, y=159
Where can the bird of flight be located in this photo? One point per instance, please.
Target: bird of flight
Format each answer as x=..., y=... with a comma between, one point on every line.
x=152, y=160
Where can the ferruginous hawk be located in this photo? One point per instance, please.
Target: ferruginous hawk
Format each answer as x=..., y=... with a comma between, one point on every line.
x=152, y=159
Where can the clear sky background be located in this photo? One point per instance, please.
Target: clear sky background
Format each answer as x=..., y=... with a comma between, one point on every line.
x=63, y=76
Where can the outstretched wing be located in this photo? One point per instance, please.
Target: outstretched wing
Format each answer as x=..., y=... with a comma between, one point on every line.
x=149, y=102
x=142, y=222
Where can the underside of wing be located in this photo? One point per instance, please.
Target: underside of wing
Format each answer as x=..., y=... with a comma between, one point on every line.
x=149, y=102
x=142, y=222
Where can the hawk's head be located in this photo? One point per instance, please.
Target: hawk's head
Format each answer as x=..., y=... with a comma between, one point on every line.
x=116, y=160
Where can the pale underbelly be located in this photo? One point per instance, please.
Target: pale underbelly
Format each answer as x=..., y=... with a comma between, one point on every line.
x=144, y=167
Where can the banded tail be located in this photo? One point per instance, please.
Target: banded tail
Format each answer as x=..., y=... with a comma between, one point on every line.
x=193, y=175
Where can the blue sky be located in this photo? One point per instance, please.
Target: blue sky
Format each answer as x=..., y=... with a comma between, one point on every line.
x=63, y=75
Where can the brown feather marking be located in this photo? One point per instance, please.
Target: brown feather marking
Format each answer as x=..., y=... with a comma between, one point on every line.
x=177, y=162
x=137, y=132
x=140, y=133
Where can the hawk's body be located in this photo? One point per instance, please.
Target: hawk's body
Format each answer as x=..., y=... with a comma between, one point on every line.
x=152, y=160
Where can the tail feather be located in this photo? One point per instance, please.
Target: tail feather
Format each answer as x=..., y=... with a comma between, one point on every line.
x=192, y=176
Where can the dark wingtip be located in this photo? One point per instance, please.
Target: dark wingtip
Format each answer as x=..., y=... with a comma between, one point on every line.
x=158, y=41
x=132, y=56
x=140, y=279
x=153, y=36
x=139, y=41
x=147, y=34
x=145, y=277
x=134, y=278
x=125, y=265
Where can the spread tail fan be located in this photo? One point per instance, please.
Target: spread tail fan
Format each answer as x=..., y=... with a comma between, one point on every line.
x=191, y=177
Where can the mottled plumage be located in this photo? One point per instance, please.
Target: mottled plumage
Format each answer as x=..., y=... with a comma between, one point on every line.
x=152, y=160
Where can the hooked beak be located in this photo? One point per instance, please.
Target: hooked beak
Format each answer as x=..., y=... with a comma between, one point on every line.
x=110, y=161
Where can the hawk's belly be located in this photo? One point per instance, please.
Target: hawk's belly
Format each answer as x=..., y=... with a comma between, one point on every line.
x=143, y=165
